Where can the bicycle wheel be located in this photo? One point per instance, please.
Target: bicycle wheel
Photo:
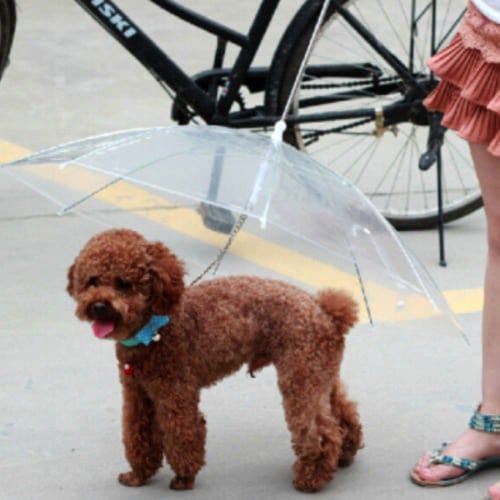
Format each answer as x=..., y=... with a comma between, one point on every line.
x=383, y=163
x=7, y=28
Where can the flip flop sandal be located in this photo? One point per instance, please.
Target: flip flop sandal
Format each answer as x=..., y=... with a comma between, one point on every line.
x=470, y=467
x=478, y=422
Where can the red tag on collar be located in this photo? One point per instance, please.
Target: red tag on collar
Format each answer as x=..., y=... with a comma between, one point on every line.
x=128, y=369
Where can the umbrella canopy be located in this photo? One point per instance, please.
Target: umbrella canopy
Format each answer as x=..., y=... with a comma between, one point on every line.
x=304, y=221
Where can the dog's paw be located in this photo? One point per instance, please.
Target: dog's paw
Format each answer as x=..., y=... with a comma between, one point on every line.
x=311, y=475
x=131, y=479
x=182, y=483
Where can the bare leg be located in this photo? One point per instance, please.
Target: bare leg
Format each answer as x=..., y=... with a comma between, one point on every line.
x=474, y=444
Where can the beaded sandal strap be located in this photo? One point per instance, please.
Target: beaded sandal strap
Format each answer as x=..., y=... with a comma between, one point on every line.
x=485, y=423
x=463, y=463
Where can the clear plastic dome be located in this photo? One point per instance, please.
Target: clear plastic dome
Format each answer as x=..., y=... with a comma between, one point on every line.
x=305, y=223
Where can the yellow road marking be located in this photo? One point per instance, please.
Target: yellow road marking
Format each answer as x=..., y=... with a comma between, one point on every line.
x=10, y=151
x=466, y=300
x=250, y=247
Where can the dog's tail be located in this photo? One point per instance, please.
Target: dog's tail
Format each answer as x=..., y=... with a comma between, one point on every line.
x=340, y=306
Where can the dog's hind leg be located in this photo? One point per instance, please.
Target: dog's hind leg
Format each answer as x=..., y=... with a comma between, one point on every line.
x=184, y=434
x=346, y=413
x=141, y=437
x=316, y=437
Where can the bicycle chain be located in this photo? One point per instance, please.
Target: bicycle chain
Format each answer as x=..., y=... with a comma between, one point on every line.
x=313, y=136
x=357, y=83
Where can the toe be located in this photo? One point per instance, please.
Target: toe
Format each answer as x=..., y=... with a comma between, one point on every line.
x=494, y=492
x=429, y=474
x=436, y=473
x=424, y=460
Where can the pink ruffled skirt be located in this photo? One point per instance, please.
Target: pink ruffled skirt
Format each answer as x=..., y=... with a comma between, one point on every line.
x=468, y=94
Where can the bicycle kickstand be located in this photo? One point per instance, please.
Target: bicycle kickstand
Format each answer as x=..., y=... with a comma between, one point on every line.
x=431, y=156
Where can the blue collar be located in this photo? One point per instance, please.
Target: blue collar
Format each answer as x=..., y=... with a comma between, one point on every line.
x=147, y=333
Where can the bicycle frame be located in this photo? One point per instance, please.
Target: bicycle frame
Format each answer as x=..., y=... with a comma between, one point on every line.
x=165, y=70
x=217, y=110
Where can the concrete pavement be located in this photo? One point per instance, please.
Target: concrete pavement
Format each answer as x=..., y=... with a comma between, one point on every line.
x=416, y=384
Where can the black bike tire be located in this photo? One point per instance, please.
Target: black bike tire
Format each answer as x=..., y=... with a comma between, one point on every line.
x=432, y=221
x=7, y=29
x=285, y=65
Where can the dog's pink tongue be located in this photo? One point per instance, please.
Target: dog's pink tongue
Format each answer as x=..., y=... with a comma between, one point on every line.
x=102, y=329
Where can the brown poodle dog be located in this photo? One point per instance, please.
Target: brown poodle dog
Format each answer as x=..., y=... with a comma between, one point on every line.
x=126, y=286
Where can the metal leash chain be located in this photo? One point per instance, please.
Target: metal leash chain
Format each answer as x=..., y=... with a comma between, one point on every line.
x=222, y=252
x=243, y=217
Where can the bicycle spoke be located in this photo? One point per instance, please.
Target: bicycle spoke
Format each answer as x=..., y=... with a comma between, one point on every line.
x=347, y=150
x=466, y=159
x=391, y=165
x=330, y=146
x=384, y=168
x=422, y=49
x=402, y=152
x=371, y=145
x=455, y=168
x=410, y=170
x=358, y=42
x=444, y=23
x=406, y=17
x=362, y=18
x=394, y=30
x=367, y=163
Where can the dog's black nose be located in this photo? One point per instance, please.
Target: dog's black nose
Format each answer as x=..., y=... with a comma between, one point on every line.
x=99, y=310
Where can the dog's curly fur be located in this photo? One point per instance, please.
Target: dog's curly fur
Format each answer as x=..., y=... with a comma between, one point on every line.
x=215, y=328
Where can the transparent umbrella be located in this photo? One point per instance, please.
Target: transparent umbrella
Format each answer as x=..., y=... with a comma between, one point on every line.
x=303, y=221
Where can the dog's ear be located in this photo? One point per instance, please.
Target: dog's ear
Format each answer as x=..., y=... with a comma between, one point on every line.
x=70, y=287
x=167, y=276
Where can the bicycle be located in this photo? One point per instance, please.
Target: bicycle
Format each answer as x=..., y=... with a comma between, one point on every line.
x=349, y=113
x=7, y=29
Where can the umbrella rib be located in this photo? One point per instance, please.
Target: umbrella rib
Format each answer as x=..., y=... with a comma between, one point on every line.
x=156, y=173
x=119, y=178
x=33, y=187
x=42, y=156
x=360, y=280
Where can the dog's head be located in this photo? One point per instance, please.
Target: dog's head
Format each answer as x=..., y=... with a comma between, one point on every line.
x=119, y=280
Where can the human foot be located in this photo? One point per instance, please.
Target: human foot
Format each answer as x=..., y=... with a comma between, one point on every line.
x=472, y=445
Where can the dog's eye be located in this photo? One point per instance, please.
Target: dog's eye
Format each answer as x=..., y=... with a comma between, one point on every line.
x=92, y=281
x=122, y=284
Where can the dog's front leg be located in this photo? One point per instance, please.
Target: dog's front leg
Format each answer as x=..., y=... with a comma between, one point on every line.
x=141, y=436
x=184, y=433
